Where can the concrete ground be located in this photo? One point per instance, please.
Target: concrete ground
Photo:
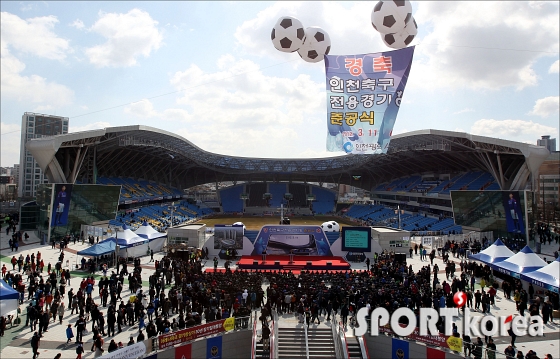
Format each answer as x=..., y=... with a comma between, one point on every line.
x=16, y=341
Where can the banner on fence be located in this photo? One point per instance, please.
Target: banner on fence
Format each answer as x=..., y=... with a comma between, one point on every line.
x=200, y=331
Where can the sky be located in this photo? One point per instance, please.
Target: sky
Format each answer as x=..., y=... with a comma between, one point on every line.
x=208, y=70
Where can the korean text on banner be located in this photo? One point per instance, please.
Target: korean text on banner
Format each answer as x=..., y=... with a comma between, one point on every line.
x=364, y=94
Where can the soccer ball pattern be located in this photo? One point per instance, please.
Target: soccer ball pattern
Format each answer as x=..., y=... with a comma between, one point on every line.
x=240, y=224
x=288, y=34
x=317, y=44
x=391, y=16
x=402, y=38
x=330, y=226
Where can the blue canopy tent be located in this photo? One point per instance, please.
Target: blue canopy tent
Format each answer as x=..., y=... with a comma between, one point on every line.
x=497, y=252
x=523, y=262
x=105, y=247
x=9, y=299
x=548, y=277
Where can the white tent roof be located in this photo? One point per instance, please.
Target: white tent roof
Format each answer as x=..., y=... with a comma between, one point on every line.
x=524, y=261
x=147, y=231
x=526, y=258
x=497, y=252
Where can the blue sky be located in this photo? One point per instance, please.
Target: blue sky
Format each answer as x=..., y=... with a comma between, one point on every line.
x=208, y=70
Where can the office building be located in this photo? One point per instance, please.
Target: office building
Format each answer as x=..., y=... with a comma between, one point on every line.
x=549, y=143
x=34, y=125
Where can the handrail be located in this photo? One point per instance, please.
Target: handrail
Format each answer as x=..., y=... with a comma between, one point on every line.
x=254, y=342
x=363, y=347
x=306, y=340
x=337, y=343
x=274, y=345
x=344, y=344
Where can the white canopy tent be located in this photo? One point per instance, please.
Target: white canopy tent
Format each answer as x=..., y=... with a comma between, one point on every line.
x=523, y=262
x=148, y=232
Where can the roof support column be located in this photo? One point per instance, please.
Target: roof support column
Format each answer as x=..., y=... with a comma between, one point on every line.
x=75, y=169
x=502, y=182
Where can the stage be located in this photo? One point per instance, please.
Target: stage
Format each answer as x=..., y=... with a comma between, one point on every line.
x=282, y=262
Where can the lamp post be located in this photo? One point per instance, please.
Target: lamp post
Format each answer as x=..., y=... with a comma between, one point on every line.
x=116, y=246
x=172, y=208
x=398, y=212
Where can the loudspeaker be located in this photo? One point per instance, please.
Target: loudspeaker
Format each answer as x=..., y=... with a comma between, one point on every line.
x=309, y=264
x=329, y=263
x=276, y=263
x=255, y=263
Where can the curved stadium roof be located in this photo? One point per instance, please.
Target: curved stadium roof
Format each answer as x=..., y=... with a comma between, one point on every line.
x=153, y=154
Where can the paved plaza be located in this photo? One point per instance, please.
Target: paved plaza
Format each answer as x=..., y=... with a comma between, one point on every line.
x=16, y=341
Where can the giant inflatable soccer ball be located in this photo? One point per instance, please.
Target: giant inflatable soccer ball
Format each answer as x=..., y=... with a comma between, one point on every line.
x=316, y=45
x=403, y=38
x=330, y=226
x=288, y=34
x=391, y=16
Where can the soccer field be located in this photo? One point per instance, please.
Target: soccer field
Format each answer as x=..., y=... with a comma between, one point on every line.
x=256, y=223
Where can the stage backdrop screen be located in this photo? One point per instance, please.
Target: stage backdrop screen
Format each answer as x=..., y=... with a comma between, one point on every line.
x=356, y=239
x=500, y=211
x=299, y=240
x=228, y=236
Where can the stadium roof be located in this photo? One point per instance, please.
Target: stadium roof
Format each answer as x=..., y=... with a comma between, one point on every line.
x=143, y=152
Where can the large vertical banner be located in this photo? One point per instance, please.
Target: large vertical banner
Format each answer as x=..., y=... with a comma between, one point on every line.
x=400, y=349
x=61, y=204
x=214, y=348
x=364, y=93
x=514, y=211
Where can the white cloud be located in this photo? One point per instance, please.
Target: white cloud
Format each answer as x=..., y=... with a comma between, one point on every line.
x=349, y=28
x=142, y=108
x=240, y=111
x=89, y=126
x=465, y=47
x=554, y=68
x=145, y=109
x=241, y=94
x=129, y=36
x=547, y=106
x=465, y=110
x=32, y=88
x=78, y=24
x=517, y=130
x=33, y=36
x=9, y=144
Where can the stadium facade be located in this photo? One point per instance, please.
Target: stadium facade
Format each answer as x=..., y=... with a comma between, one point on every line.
x=144, y=152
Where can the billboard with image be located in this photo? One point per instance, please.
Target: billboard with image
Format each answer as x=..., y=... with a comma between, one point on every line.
x=503, y=212
x=61, y=204
x=228, y=236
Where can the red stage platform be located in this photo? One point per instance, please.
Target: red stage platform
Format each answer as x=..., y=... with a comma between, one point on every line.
x=282, y=262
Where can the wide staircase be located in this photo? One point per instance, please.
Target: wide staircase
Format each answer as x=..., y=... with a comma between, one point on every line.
x=291, y=343
x=354, y=350
x=321, y=343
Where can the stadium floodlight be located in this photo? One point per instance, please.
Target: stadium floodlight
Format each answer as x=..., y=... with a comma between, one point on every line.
x=398, y=212
x=172, y=208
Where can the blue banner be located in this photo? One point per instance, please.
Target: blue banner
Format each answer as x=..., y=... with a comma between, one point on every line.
x=364, y=93
x=513, y=211
x=214, y=348
x=399, y=349
x=61, y=204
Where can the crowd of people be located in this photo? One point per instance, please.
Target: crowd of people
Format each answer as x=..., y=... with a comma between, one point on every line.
x=181, y=295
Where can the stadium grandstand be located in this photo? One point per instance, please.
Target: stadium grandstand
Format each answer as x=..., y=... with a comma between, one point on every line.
x=421, y=168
